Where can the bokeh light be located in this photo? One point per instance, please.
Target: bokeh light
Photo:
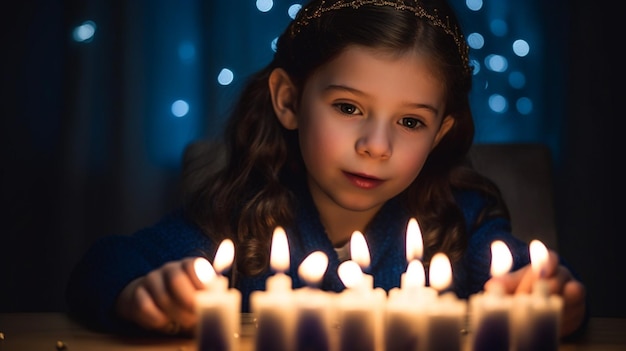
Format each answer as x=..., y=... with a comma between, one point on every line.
x=85, y=32
x=225, y=77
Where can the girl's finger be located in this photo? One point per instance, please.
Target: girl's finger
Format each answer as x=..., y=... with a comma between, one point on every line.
x=179, y=285
x=510, y=282
x=155, y=286
x=200, y=271
x=147, y=313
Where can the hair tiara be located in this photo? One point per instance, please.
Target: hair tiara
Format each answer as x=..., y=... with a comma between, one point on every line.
x=307, y=14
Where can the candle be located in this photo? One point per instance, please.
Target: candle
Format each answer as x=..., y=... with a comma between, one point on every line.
x=404, y=312
x=218, y=307
x=405, y=321
x=537, y=315
x=414, y=251
x=440, y=272
x=490, y=318
x=359, y=311
x=223, y=261
x=445, y=315
x=274, y=307
x=359, y=253
x=313, y=306
x=414, y=241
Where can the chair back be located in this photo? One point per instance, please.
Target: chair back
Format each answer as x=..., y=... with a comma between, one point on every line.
x=524, y=174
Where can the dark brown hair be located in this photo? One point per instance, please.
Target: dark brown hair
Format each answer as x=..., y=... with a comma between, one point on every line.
x=244, y=195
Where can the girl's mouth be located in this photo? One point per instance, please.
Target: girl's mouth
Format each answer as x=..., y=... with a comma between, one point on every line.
x=363, y=181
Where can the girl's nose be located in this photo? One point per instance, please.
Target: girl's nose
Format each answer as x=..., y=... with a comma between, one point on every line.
x=374, y=141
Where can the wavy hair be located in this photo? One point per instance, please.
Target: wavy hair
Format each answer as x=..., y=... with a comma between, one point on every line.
x=244, y=195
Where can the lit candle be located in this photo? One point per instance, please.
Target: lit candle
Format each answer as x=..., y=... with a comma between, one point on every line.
x=312, y=306
x=223, y=261
x=490, y=318
x=440, y=272
x=537, y=315
x=359, y=253
x=218, y=307
x=404, y=312
x=414, y=241
x=359, y=311
x=405, y=321
x=414, y=251
x=274, y=307
x=445, y=315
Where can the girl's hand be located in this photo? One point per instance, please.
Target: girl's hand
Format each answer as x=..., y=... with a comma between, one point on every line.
x=163, y=300
x=560, y=281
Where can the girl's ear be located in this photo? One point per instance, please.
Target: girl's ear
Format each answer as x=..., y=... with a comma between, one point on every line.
x=284, y=97
x=446, y=125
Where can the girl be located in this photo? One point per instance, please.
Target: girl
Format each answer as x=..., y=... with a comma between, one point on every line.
x=361, y=121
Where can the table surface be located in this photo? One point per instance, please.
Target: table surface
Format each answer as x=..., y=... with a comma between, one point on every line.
x=55, y=331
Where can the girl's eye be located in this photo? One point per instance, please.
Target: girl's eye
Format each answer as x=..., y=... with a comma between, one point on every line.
x=347, y=109
x=410, y=122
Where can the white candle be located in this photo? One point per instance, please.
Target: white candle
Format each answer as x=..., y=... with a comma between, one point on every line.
x=445, y=315
x=414, y=251
x=405, y=322
x=490, y=320
x=404, y=312
x=313, y=306
x=359, y=311
x=359, y=253
x=537, y=315
x=274, y=307
x=218, y=307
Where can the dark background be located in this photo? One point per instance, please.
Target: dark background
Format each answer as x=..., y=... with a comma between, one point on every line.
x=83, y=157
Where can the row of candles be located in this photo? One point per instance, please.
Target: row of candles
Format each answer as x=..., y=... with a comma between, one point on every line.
x=364, y=318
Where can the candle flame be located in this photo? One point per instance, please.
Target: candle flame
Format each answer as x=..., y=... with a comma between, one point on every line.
x=279, y=255
x=359, y=251
x=538, y=257
x=414, y=241
x=203, y=269
x=224, y=256
x=501, y=259
x=415, y=275
x=350, y=274
x=313, y=267
x=440, y=273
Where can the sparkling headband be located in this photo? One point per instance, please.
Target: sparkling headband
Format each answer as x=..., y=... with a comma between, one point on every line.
x=304, y=18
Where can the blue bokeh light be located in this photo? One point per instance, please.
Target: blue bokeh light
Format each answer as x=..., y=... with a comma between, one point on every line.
x=498, y=103
x=517, y=79
x=476, y=41
x=180, y=108
x=474, y=5
x=496, y=63
x=475, y=66
x=264, y=5
x=499, y=27
x=524, y=106
x=521, y=48
x=85, y=32
x=225, y=77
x=293, y=10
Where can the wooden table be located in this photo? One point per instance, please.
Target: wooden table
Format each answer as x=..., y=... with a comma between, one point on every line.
x=55, y=331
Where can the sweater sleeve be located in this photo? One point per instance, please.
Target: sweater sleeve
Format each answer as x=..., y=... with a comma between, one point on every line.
x=114, y=261
x=474, y=267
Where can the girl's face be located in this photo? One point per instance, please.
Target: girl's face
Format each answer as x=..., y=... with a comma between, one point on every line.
x=367, y=122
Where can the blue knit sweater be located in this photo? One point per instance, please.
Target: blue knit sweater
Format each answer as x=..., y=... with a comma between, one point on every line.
x=113, y=261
